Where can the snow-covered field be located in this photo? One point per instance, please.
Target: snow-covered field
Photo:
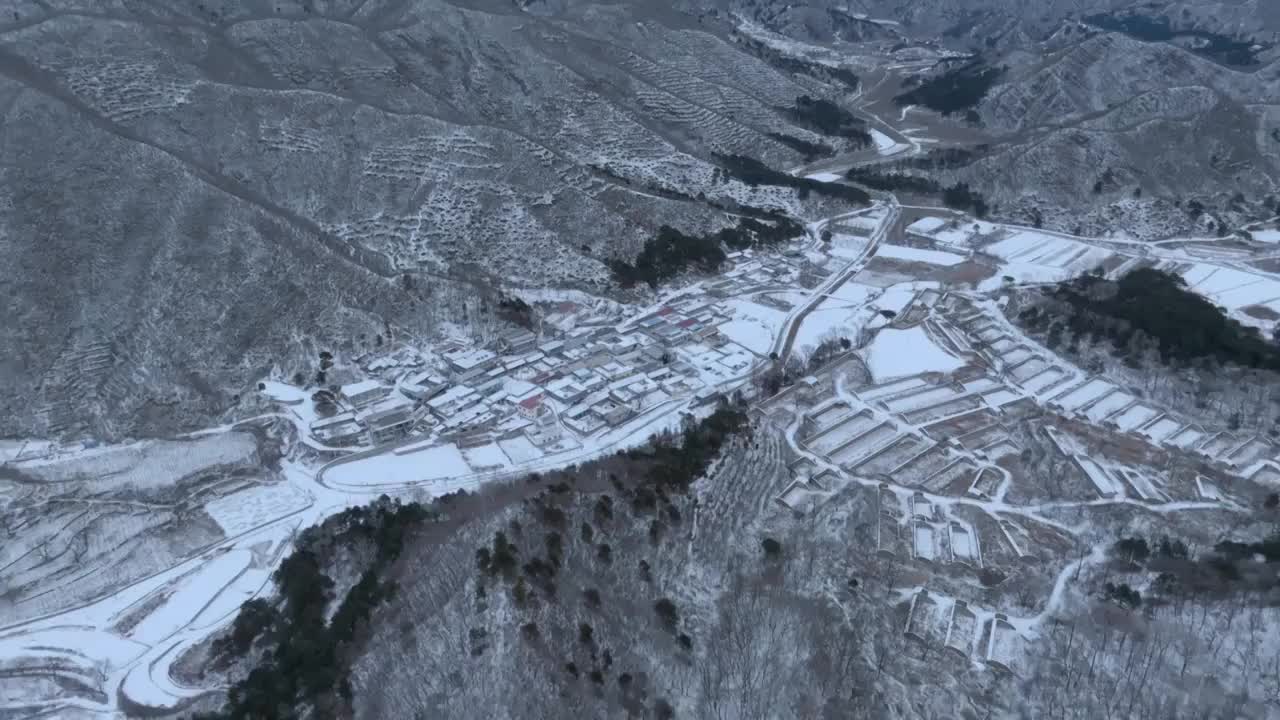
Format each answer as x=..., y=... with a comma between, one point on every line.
x=826, y=176
x=436, y=462
x=754, y=326
x=897, y=353
x=1233, y=289
x=885, y=144
x=1040, y=257
x=254, y=506
x=933, y=257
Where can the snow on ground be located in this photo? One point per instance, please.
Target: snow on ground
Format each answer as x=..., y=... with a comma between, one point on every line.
x=520, y=449
x=897, y=353
x=435, y=462
x=933, y=257
x=838, y=316
x=885, y=144
x=1266, y=236
x=486, y=457
x=754, y=326
x=1036, y=257
x=1233, y=289
x=826, y=177
x=896, y=298
x=283, y=392
x=254, y=506
x=191, y=597
x=846, y=246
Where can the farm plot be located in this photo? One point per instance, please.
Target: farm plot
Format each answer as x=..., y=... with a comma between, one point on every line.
x=826, y=418
x=889, y=537
x=888, y=501
x=1082, y=395
x=1184, y=438
x=927, y=620
x=254, y=506
x=923, y=399
x=955, y=407
x=893, y=455
x=1108, y=405
x=486, y=457
x=1037, y=257
x=961, y=631
x=915, y=471
x=1029, y=369
x=1233, y=289
x=1106, y=485
x=1005, y=647
x=1000, y=398
x=826, y=441
x=1248, y=452
x=1217, y=446
x=985, y=484
x=853, y=451
x=964, y=544
x=143, y=466
x=889, y=389
x=926, y=544
x=1136, y=416
x=1003, y=344
x=1142, y=486
x=953, y=479
x=1044, y=381
x=438, y=462
x=1163, y=429
x=960, y=425
x=982, y=437
x=1017, y=355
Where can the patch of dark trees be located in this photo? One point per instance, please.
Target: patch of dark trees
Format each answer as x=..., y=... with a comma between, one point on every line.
x=1154, y=305
x=1229, y=569
x=755, y=173
x=305, y=659
x=794, y=65
x=957, y=197
x=1221, y=48
x=956, y=90
x=516, y=311
x=672, y=252
x=809, y=150
x=946, y=158
x=830, y=119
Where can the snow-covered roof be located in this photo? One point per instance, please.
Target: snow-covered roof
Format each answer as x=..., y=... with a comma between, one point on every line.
x=467, y=359
x=359, y=388
x=926, y=225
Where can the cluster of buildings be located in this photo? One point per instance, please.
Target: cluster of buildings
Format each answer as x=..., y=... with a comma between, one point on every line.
x=956, y=234
x=582, y=378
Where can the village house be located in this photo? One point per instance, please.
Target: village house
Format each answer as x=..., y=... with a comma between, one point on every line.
x=360, y=394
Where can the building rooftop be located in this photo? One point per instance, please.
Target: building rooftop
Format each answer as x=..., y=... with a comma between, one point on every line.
x=927, y=225
x=468, y=359
x=360, y=388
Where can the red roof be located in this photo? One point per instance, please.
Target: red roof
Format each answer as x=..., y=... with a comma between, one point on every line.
x=686, y=323
x=531, y=402
x=665, y=311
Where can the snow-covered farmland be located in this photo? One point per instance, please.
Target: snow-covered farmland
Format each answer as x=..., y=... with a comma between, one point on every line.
x=1233, y=289
x=434, y=463
x=896, y=353
x=932, y=257
x=1040, y=257
x=754, y=326
x=254, y=506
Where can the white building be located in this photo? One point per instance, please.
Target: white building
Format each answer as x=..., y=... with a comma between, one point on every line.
x=365, y=392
